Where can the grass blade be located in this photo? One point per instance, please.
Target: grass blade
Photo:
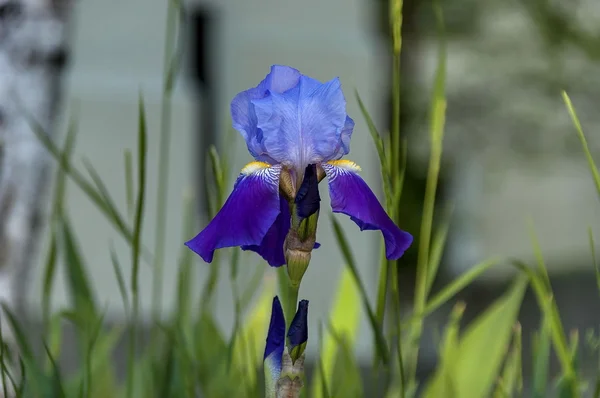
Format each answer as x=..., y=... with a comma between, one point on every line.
x=437, y=122
x=584, y=144
x=137, y=239
x=381, y=345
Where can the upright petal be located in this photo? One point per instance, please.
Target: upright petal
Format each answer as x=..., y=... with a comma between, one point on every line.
x=308, y=200
x=246, y=216
x=298, y=333
x=304, y=124
x=274, y=347
x=351, y=195
x=279, y=80
x=271, y=247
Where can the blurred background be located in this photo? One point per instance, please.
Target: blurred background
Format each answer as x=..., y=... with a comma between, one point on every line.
x=511, y=157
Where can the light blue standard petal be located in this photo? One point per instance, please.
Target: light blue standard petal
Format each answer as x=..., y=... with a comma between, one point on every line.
x=304, y=124
x=351, y=195
x=279, y=80
x=271, y=247
x=246, y=216
x=274, y=348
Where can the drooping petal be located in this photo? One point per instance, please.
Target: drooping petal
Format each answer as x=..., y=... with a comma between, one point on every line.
x=246, y=216
x=351, y=195
x=274, y=347
x=271, y=247
x=280, y=79
x=304, y=124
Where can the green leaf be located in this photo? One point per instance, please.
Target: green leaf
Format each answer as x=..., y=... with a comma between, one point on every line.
x=120, y=280
x=511, y=381
x=128, y=162
x=541, y=358
x=346, y=378
x=380, y=343
x=344, y=323
x=249, y=342
x=442, y=382
x=584, y=144
x=594, y=260
x=474, y=374
x=437, y=123
x=78, y=284
x=450, y=290
x=211, y=369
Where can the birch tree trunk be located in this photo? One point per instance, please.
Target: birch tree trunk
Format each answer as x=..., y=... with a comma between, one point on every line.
x=33, y=54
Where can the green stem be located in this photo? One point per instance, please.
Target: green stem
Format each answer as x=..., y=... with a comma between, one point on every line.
x=291, y=304
x=397, y=325
x=163, y=162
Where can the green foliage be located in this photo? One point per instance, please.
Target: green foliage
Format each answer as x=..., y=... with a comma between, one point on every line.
x=190, y=354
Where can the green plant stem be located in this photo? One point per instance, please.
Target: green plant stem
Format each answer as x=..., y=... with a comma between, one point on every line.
x=291, y=304
x=135, y=256
x=163, y=163
x=397, y=325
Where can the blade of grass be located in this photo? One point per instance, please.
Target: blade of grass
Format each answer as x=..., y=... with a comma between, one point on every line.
x=450, y=290
x=185, y=261
x=128, y=162
x=541, y=358
x=437, y=249
x=137, y=236
x=594, y=261
x=541, y=265
x=438, y=114
x=80, y=290
x=57, y=208
x=584, y=144
x=111, y=214
x=120, y=280
x=380, y=343
x=170, y=69
x=549, y=308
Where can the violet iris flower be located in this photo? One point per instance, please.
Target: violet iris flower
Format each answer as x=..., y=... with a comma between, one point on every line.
x=296, y=128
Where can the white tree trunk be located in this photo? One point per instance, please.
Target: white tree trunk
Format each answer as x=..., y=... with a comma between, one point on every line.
x=33, y=52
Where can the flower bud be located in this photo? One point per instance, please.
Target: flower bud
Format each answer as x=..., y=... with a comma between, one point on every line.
x=290, y=382
x=297, y=256
x=298, y=332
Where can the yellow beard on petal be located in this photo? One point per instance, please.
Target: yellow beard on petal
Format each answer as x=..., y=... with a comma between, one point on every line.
x=345, y=164
x=253, y=167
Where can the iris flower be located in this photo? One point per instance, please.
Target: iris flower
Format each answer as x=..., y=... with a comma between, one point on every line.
x=297, y=130
x=297, y=337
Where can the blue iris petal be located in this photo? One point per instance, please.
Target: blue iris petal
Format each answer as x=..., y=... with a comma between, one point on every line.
x=274, y=346
x=279, y=80
x=293, y=119
x=271, y=247
x=308, y=199
x=303, y=125
x=246, y=216
x=351, y=195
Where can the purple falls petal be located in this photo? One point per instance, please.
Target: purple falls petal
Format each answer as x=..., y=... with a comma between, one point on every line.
x=279, y=80
x=271, y=247
x=304, y=124
x=246, y=216
x=274, y=346
x=351, y=195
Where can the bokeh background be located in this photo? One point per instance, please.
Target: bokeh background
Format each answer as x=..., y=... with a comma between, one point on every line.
x=512, y=159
